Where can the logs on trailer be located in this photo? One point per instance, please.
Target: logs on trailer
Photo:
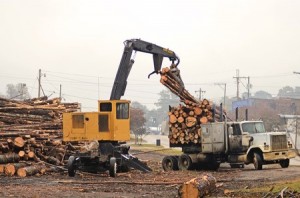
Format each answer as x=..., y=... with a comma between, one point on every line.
x=198, y=187
x=185, y=120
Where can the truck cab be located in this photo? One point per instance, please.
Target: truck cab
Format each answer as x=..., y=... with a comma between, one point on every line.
x=249, y=142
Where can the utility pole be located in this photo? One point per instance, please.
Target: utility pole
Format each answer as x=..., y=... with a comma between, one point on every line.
x=248, y=86
x=296, y=132
x=60, y=91
x=237, y=84
x=39, y=79
x=224, y=84
x=200, y=93
x=40, y=83
x=238, y=77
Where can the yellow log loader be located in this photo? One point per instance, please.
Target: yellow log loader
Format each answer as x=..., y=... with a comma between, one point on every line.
x=109, y=127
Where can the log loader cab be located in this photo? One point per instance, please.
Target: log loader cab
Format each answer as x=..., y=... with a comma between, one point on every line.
x=110, y=123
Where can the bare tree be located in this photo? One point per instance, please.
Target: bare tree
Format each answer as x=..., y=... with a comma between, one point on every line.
x=18, y=91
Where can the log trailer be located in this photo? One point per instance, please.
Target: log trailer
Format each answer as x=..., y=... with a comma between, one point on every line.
x=110, y=125
x=236, y=143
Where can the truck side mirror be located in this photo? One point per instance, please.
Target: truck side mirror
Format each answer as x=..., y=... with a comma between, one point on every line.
x=230, y=131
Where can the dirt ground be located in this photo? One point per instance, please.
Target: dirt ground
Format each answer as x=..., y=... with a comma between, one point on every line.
x=137, y=184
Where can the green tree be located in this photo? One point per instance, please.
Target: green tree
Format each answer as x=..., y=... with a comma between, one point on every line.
x=18, y=91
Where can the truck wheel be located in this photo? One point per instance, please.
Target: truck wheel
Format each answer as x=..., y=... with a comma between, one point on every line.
x=215, y=165
x=71, y=166
x=113, y=167
x=184, y=162
x=284, y=163
x=175, y=160
x=169, y=163
x=257, y=161
x=122, y=169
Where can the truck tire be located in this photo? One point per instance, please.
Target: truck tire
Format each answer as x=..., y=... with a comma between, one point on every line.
x=185, y=162
x=113, y=167
x=257, y=161
x=169, y=163
x=123, y=169
x=71, y=166
x=284, y=163
x=214, y=165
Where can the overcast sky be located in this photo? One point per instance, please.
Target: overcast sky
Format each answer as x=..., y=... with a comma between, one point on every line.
x=79, y=44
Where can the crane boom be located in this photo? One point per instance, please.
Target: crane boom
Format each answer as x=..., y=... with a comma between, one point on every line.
x=126, y=63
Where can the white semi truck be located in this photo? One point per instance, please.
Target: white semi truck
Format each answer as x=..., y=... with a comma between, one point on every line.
x=237, y=143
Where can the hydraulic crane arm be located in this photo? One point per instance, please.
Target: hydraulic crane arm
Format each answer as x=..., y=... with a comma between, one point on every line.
x=126, y=63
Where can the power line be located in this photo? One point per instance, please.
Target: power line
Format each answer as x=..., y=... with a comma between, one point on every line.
x=200, y=91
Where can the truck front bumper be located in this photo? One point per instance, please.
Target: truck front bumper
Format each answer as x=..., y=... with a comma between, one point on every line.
x=279, y=155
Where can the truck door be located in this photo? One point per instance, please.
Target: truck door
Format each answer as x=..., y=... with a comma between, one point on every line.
x=235, y=139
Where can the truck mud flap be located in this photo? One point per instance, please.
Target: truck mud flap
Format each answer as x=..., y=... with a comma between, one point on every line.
x=135, y=163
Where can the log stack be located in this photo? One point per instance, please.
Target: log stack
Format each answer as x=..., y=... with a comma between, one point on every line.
x=31, y=133
x=185, y=120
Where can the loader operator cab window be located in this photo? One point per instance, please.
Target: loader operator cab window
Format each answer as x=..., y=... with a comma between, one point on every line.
x=122, y=110
x=106, y=106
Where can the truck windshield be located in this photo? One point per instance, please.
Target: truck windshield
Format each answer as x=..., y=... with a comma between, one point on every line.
x=253, y=127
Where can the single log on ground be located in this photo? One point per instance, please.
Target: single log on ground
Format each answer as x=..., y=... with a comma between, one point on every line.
x=29, y=170
x=198, y=187
x=11, y=169
x=9, y=158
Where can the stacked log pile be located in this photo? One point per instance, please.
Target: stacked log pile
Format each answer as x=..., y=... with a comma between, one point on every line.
x=31, y=135
x=185, y=120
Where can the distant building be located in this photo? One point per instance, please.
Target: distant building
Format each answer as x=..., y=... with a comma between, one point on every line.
x=280, y=105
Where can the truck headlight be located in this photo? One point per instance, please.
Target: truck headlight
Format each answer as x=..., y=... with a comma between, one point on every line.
x=266, y=147
x=290, y=145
